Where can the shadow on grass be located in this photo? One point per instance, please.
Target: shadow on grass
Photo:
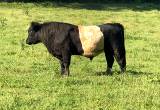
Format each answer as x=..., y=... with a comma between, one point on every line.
x=103, y=73
x=95, y=6
x=104, y=6
x=155, y=81
x=130, y=72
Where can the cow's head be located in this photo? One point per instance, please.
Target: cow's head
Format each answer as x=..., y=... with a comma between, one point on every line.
x=33, y=33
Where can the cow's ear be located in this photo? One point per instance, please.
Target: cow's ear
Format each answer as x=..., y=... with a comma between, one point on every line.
x=33, y=23
x=36, y=26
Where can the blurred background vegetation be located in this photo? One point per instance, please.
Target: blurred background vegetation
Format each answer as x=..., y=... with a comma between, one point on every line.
x=88, y=1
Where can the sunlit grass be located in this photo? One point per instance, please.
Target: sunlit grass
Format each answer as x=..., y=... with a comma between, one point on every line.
x=30, y=78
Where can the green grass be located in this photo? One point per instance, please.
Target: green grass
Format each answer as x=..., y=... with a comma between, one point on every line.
x=30, y=78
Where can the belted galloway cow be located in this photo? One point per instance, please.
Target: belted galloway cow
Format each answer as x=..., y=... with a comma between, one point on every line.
x=63, y=40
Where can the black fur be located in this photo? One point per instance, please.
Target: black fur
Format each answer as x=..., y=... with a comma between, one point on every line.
x=61, y=39
x=114, y=45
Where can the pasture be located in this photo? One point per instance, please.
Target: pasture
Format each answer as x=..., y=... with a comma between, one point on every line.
x=30, y=78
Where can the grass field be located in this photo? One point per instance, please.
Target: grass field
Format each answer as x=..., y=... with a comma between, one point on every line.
x=30, y=78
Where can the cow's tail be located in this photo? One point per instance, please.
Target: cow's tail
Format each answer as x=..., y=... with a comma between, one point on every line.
x=121, y=28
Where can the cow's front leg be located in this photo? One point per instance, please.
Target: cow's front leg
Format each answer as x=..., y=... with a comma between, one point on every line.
x=62, y=67
x=66, y=69
x=66, y=62
x=65, y=65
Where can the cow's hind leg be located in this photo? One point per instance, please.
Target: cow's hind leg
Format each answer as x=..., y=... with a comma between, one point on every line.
x=109, y=54
x=121, y=58
x=110, y=61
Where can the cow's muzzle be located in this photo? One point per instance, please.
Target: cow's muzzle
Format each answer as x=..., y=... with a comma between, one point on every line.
x=28, y=42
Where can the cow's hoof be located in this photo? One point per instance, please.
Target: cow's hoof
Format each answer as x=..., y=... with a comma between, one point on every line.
x=123, y=70
x=109, y=74
x=64, y=75
x=109, y=71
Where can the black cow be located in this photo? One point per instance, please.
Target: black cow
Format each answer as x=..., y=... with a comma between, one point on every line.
x=64, y=40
